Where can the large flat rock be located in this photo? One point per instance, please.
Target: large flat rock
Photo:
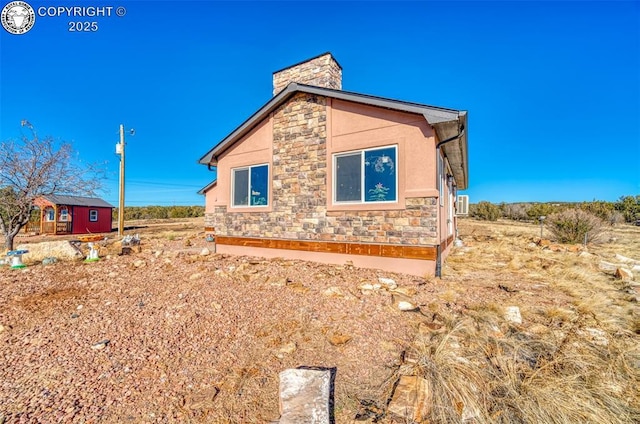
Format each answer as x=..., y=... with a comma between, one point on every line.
x=304, y=396
x=61, y=250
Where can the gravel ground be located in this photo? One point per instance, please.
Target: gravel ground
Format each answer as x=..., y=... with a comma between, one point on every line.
x=167, y=334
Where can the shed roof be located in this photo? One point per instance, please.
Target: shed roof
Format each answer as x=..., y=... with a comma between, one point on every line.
x=448, y=123
x=77, y=201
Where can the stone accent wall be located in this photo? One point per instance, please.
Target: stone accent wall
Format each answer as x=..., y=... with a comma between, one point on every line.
x=321, y=71
x=299, y=178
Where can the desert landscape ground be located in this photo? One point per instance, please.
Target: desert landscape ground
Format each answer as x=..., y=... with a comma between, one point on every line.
x=174, y=332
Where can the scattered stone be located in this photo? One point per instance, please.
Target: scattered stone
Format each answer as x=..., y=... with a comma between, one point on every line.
x=195, y=276
x=624, y=274
x=216, y=306
x=595, y=335
x=205, y=252
x=404, y=303
x=507, y=288
x=79, y=307
x=100, y=345
x=635, y=268
x=405, y=291
x=49, y=260
x=139, y=263
x=556, y=248
x=512, y=314
x=333, y=292
x=388, y=283
x=304, y=396
x=585, y=254
x=158, y=253
x=607, y=267
x=411, y=399
x=74, y=315
x=254, y=262
x=544, y=242
x=278, y=282
x=287, y=349
x=338, y=339
x=1, y=328
x=626, y=260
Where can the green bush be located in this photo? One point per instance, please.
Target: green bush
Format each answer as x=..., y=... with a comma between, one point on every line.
x=629, y=207
x=575, y=226
x=486, y=211
x=541, y=209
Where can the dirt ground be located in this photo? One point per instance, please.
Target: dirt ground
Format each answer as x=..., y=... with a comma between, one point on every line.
x=173, y=332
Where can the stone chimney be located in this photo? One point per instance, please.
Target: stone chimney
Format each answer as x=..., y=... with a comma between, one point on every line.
x=320, y=71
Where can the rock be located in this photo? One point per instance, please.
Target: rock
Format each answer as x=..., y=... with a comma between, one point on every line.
x=158, y=253
x=1, y=328
x=304, y=396
x=594, y=335
x=139, y=263
x=60, y=249
x=333, y=292
x=338, y=339
x=512, y=314
x=403, y=303
x=626, y=260
x=544, y=242
x=411, y=399
x=100, y=345
x=195, y=276
x=388, y=283
x=607, y=267
x=49, y=260
x=585, y=254
x=624, y=274
x=556, y=248
x=635, y=268
x=287, y=349
x=205, y=252
x=405, y=291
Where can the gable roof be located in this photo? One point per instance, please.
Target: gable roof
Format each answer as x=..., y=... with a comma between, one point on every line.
x=77, y=201
x=208, y=187
x=448, y=124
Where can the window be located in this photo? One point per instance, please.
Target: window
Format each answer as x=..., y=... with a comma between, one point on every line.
x=64, y=215
x=250, y=186
x=366, y=176
x=49, y=215
x=93, y=215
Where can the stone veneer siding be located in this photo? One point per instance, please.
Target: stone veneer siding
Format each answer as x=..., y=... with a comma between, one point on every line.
x=299, y=192
x=321, y=71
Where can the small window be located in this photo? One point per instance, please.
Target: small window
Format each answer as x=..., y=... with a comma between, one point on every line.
x=49, y=215
x=366, y=176
x=64, y=215
x=250, y=186
x=93, y=215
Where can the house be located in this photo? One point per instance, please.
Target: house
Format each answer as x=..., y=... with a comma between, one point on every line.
x=72, y=215
x=323, y=174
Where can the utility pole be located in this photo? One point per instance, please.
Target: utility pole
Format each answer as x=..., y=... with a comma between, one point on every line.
x=120, y=151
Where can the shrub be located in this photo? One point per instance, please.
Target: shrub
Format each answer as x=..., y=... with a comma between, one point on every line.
x=485, y=210
x=541, y=209
x=575, y=226
x=629, y=206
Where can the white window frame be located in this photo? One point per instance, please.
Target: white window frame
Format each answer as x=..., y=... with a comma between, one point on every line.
x=64, y=215
x=233, y=186
x=93, y=212
x=362, y=200
x=49, y=215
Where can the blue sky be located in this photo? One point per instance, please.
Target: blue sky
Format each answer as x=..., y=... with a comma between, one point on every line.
x=552, y=88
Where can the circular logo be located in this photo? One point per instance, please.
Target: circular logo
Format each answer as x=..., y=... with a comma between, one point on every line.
x=18, y=17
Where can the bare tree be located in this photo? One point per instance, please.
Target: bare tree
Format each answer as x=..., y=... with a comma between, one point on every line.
x=32, y=167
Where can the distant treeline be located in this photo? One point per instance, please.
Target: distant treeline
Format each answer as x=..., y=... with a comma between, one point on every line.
x=626, y=209
x=159, y=212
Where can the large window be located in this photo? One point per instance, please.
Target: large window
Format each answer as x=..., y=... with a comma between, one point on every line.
x=250, y=186
x=366, y=176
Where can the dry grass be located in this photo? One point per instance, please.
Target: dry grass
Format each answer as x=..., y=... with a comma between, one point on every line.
x=574, y=358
